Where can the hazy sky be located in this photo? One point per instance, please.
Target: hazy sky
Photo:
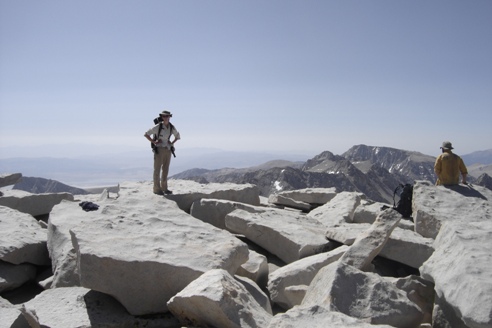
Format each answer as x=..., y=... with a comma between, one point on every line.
x=301, y=76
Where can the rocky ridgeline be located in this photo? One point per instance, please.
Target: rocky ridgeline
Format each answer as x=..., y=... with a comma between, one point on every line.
x=218, y=255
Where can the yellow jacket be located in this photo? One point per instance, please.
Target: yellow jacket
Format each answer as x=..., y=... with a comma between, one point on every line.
x=448, y=167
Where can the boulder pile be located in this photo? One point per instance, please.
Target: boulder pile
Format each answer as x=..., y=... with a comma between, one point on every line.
x=219, y=255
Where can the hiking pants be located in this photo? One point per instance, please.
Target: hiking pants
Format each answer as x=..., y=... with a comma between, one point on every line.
x=162, y=160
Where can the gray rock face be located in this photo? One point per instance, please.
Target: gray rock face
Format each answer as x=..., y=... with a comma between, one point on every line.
x=9, y=179
x=22, y=239
x=409, y=164
x=42, y=186
x=13, y=276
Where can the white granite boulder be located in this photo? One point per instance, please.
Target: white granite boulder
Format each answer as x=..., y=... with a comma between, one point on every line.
x=11, y=315
x=339, y=209
x=284, y=201
x=313, y=196
x=22, y=239
x=368, y=244
x=34, y=204
x=462, y=271
x=433, y=205
x=214, y=211
x=281, y=282
x=290, y=236
x=186, y=192
x=317, y=317
x=142, y=249
x=256, y=268
x=461, y=265
x=80, y=307
x=64, y=217
x=404, y=246
x=217, y=299
x=362, y=295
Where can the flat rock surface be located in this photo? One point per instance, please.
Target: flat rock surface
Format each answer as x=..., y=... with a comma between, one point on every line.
x=288, y=235
x=186, y=192
x=142, y=249
x=34, y=204
x=461, y=265
x=81, y=307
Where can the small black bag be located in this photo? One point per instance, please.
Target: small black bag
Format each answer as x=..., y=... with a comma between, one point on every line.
x=404, y=206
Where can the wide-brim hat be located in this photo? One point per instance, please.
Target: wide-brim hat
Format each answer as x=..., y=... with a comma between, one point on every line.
x=166, y=113
x=447, y=145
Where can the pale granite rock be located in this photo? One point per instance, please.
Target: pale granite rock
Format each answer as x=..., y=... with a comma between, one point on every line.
x=338, y=210
x=22, y=239
x=363, y=295
x=34, y=204
x=317, y=317
x=313, y=196
x=216, y=299
x=256, y=268
x=142, y=249
x=214, y=211
x=80, y=307
x=11, y=315
x=289, y=236
x=298, y=273
x=368, y=244
x=186, y=192
x=404, y=246
x=461, y=265
x=284, y=201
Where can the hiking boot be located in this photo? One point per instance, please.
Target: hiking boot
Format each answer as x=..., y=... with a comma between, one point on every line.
x=160, y=193
x=168, y=192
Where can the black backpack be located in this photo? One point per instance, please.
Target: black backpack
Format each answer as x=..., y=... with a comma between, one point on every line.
x=404, y=206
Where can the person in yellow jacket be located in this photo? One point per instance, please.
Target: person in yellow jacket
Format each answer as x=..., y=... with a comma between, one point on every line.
x=448, y=167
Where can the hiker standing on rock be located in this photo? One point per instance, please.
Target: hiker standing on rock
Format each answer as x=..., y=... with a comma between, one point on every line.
x=448, y=167
x=162, y=147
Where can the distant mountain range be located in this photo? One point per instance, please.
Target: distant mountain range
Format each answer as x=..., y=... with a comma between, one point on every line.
x=41, y=185
x=374, y=171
